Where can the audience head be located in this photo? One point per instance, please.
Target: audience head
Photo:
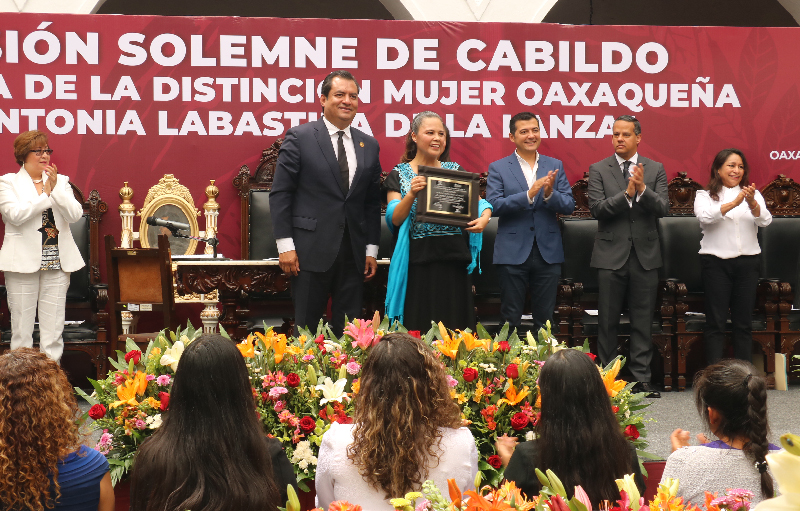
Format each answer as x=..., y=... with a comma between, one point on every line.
x=210, y=452
x=401, y=407
x=732, y=399
x=37, y=427
x=728, y=160
x=421, y=120
x=579, y=437
x=26, y=142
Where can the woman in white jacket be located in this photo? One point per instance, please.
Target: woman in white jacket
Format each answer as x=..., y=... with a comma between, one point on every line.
x=38, y=251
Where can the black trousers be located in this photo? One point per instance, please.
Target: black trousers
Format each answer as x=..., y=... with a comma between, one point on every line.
x=640, y=286
x=343, y=283
x=535, y=274
x=729, y=284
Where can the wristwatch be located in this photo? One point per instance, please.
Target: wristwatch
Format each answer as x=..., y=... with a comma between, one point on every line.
x=626, y=195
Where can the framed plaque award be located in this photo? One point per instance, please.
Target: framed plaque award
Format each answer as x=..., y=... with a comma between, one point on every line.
x=450, y=197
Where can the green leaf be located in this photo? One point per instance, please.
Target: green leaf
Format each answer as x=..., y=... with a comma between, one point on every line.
x=92, y=401
x=503, y=335
x=118, y=366
x=223, y=332
x=576, y=505
x=482, y=332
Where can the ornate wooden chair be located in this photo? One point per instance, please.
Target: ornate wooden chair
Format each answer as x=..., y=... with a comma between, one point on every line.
x=272, y=304
x=780, y=246
x=85, y=329
x=140, y=280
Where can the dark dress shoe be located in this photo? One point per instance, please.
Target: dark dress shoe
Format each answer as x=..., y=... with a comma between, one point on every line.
x=648, y=388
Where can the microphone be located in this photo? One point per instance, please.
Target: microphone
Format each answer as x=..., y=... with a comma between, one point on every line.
x=172, y=226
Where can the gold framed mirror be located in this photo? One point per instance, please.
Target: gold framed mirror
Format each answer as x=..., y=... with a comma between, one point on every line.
x=169, y=200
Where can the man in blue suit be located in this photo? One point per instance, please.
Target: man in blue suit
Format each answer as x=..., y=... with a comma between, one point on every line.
x=325, y=206
x=526, y=190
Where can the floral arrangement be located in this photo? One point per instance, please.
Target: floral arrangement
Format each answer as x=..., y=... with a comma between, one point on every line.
x=553, y=497
x=127, y=405
x=302, y=385
x=666, y=499
x=495, y=383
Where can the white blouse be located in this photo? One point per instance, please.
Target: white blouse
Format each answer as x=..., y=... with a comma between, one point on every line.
x=733, y=234
x=339, y=479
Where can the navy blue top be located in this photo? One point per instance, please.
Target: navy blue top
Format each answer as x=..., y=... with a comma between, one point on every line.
x=79, y=475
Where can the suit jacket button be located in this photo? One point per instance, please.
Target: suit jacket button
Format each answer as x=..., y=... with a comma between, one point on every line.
x=629, y=239
x=531, y=228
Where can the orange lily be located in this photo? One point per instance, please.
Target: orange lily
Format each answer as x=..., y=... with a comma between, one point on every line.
x=509, y=492
x=478, y=503
x=448, y=346
x=512, y=396
x=471, y=341
x=127, y=391
x=279, y=347
x=613, y=386
x=455, y=493
x=246, y=348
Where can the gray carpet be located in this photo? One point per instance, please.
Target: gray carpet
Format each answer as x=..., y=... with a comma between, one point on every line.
x=674, y=410
x=677, y=410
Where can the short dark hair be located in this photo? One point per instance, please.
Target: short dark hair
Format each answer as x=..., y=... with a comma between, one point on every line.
x=522, y=116
x=341, y=73
x=637, y=128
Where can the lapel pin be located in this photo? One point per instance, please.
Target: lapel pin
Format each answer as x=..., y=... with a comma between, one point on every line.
x=361, y=144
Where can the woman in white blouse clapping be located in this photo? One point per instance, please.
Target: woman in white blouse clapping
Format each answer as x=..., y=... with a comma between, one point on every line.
x=730, y=211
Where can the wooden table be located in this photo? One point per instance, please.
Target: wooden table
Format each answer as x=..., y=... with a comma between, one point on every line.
x=236, y=280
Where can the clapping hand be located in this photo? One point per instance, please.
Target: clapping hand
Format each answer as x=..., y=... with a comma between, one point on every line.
x=680, y=438
x=505, y=446
x=52, y=179
x=550, y=180
x=637, y=178
x=749, y=193
x=542, y=182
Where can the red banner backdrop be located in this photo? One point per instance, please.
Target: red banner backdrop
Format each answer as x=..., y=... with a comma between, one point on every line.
x=131, y=98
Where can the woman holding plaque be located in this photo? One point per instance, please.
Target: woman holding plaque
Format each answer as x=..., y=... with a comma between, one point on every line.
x=429, y=277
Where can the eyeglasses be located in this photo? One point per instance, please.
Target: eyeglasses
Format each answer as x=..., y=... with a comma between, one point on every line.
x=38, y=152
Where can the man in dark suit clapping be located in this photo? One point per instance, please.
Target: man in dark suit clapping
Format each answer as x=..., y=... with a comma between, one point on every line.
x=627, y=194
x=325, y=206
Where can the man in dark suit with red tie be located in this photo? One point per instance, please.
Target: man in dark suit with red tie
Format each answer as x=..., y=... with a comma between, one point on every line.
x=627, y=195
x=325, y=206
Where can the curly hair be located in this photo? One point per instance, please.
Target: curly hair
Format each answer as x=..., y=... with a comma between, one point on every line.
x=735, y=390
x=37, y=428
x=400, y=411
